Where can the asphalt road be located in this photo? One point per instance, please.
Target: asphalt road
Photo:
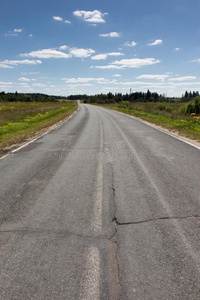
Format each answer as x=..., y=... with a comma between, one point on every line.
x=103, y=207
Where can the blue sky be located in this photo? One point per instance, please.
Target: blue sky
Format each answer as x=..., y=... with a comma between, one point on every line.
x=62, y=47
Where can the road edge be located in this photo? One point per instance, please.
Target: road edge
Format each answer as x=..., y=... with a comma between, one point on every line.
x=53, y=127
x=160, y=128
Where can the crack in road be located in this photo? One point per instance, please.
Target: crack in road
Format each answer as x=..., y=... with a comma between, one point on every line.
x=153, y=220
x=116, y=223
x=113, y=239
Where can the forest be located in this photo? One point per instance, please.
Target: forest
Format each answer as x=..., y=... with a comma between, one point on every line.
x=22, y=97
x=136, y=97
x=108, y=98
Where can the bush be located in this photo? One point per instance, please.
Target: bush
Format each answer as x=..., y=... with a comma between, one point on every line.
x=161, y=106
x=193, y=106
x=164, y=107
x=125, y=104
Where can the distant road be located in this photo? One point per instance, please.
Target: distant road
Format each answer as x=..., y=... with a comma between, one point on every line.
x=103, y=207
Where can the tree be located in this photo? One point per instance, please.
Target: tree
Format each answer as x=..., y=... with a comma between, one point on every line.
x=148, y=96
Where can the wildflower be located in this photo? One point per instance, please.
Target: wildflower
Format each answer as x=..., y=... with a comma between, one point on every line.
x=193, y=114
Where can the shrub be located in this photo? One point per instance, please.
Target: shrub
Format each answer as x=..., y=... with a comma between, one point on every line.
x=125, y=104
x=193, y=106
x=161, y=106
x=164, y=107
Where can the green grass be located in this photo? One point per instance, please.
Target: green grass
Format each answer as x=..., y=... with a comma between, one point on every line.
x=19, y=121
x=167, y=115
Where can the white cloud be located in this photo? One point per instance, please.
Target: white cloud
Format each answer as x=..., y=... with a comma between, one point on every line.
x=183, y=78
x=177, y=49
x=129, y=63
x=53, y=53
x=115, y=53
x=108, y=67
x=6, y=83
x=94, y=16
x=24, y=62
x=99, y=57
x=79, y=84
x=46, y=53
x=15, y=32
x=196, y=60
x=64, y=47
x=73, y=82
x=18, y=30
x=156, y=42
x=106, y=81
x=24, y=79
x=105, y=55
x=11, y=63
x=39, y=84
x=11, y=33
x=30, y=35
x=132, y=44
x=32, y=73
x=57, y=19
x=142, y=83
x=111, y=34
x=83, y=53
x=184, y=84
x=150, y=76
x=24, y=84
x=5, y=66
x=117, y=75
x=82, y=80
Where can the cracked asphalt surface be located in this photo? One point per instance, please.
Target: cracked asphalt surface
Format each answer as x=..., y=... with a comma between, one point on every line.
x=102, y=207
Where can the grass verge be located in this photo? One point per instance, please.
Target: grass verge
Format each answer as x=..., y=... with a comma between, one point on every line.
x=171, y=119
x=21, y=121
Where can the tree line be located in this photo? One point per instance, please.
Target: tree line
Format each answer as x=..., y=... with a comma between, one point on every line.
x=99, y=98
x=118, y=97
x=189, y=95
x=21, y=97
x=134, y=97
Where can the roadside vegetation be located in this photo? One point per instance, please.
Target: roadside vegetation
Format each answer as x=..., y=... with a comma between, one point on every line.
x=23, y=116
x=20, y=120
x=172, y=117
x=176, y=114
